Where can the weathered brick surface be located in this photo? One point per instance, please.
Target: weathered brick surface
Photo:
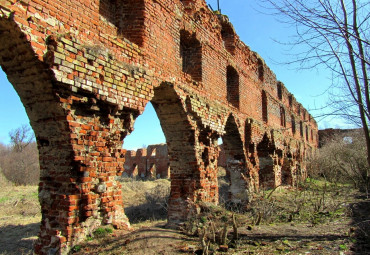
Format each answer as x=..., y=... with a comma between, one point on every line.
x=85, y=70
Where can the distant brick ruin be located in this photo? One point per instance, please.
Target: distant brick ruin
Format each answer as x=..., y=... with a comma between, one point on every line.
x=85, y=70
x=153, y=162
x=148, y=163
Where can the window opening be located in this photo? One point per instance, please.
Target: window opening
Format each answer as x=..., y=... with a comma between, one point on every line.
x=232, y=81
x=293, y=125
x=191, y=55
x=127, y=16
x=279, y=91
x=282, y=117
x=228, y=37
x=264, y=107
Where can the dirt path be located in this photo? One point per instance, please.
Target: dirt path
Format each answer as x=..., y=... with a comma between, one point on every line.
x=331, y=238
x=347, y=234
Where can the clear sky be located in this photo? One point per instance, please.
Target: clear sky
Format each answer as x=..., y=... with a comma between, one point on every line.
x=257, y=30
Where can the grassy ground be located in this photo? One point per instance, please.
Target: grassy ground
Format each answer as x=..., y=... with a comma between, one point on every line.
x=19, y=218
x=316, y=218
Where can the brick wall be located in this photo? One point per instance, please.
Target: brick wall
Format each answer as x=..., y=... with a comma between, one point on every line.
x=85, y=70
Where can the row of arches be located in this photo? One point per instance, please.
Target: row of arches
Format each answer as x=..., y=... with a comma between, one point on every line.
x=80, y=137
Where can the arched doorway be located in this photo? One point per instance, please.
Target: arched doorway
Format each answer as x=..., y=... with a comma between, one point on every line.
x=235, y=164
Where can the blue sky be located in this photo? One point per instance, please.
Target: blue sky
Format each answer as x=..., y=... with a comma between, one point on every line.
x=257, y=30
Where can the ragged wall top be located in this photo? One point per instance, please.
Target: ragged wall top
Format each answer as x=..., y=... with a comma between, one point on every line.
x=120, y=50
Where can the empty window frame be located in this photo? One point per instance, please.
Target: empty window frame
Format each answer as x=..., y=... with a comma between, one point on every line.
x=279, y=90
x=228, y=37
x=293, y=124
x=260, y=70
x=128, y=17
x=264, y=107
x=282, y=117
x=191, y=55
x=232, y=83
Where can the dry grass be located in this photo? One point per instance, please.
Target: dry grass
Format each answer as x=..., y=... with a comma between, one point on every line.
x=293, y=222
x=19, y=218
x=145, y=200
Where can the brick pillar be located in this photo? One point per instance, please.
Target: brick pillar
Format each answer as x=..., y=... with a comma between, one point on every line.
x=278, y=163
x=193, y=175
x=80, y=156
x=193, y=153
x=207, y=152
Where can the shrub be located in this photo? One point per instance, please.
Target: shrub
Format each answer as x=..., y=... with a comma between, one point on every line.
x=19, y=161
x=342, y=159
x=20, y=167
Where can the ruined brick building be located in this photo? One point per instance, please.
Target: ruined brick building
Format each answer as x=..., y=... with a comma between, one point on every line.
x=85, y=70
x=153, y=162
x=148, y=163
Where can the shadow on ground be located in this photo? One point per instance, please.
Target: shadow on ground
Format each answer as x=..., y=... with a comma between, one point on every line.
x=147, y=211
x=361, y=225
x=18, y=239
x=147, y=240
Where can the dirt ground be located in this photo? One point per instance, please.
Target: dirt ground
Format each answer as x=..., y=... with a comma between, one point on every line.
x=344, y=233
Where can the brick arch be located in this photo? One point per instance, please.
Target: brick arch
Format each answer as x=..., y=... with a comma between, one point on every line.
x=79, y=137
x=236, y=166
x=265, y=152
x=181, y=139
x=85, y=84
x=48, y=118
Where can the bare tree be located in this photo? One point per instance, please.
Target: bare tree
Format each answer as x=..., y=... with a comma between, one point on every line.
x=334, y=34
x=19, y=161
x=21, y=137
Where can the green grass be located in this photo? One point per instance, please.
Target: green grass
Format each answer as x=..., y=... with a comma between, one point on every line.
x=101, y=232
x=3, y=199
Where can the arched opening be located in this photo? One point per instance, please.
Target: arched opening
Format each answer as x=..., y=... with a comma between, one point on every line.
x=143, y=136
x=232, y=83
x=152, y=171
x=60, y=168
x=191, y=55
x=264, y=107
x=301, y=128
x=19, y=172
x=282, y=117
x=260, y=70
x=126, y=16
x=180, y=138
x=134, y=171
x=236, y=170
x=286, y=170
x=312, y=137
x=279, y=90
x=265, y=152
x=290, y=98
x=293, y=124
x=307, y=133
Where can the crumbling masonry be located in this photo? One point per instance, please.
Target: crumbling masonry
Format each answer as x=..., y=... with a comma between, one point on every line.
x=85, y=70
